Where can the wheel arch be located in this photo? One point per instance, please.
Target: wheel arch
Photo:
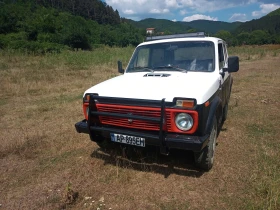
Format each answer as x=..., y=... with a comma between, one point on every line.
x=215, y=111
x=230, y=87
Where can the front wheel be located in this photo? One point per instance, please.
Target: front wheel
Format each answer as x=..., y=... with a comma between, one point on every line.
x=205, y=158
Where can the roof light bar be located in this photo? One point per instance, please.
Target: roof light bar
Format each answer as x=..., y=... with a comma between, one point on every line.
x=197, y=34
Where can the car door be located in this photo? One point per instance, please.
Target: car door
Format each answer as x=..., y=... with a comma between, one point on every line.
x=225, y=78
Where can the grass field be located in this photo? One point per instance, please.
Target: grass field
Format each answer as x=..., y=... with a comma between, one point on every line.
x=45, y=164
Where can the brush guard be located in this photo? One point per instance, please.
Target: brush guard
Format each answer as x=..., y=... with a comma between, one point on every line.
x=94, y=124
x=160, y=138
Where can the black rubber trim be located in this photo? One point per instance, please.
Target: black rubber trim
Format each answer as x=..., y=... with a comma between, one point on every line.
x=129, y=101
x=172, y=141
x=82, y=127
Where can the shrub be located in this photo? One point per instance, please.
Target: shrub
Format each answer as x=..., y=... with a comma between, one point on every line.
x=35, y=47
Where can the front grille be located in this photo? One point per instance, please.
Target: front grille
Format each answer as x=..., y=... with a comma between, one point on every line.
x=131, y=110
x=168, y=121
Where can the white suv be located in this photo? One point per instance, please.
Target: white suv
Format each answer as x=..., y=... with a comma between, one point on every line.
x=174, y=93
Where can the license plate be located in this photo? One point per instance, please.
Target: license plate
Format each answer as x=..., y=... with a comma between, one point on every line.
x=125, y=139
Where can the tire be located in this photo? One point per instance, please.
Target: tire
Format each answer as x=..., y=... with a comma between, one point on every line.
x=205, y=159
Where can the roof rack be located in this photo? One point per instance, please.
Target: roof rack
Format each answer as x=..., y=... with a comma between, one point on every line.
x=197, y=34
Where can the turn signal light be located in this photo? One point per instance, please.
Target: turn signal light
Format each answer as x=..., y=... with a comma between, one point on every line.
x=185, y=103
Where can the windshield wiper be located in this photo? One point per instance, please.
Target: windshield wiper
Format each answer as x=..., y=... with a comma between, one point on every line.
x=139, y=69
x=171, y=67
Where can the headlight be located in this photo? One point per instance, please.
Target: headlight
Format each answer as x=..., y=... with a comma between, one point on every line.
x=184, y=121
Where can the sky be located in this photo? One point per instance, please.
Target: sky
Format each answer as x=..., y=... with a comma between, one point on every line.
x=189, y=10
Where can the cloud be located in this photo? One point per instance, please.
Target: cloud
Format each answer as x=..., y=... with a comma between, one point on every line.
x=129, y=12
x=165, y=11
x=171, y=3
x=199, y=17
x=145, y=7
x=238, y=17
x=177, y=9
x=155, y=11
x=158, y=11
x=183, y=12
x=265, y=9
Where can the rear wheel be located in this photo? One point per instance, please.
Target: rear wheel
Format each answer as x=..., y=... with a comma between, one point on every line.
x=205, y=158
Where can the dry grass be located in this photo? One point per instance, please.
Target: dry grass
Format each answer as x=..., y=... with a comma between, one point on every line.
x=45, y=164
x=252, y=53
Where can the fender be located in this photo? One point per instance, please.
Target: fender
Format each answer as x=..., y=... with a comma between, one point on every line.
x=215, y=108
x=229, y=93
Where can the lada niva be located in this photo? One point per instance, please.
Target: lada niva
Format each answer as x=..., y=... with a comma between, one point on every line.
x=174, y=94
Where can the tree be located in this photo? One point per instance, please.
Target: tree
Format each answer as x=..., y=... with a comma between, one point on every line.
x=192, y=30
x=260, y=37
x=244, y=38
x=75, y=32
x=225, y=35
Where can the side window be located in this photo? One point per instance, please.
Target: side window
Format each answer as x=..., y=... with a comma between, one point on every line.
x=225, y=52
x=221, y=56
x=142, y=59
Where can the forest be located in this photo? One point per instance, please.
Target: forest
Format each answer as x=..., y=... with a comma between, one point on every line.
x=42, y=26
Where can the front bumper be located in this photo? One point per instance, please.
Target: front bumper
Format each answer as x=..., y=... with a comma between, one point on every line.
x=171, y=141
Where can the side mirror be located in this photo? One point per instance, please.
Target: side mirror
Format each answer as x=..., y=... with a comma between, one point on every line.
x=120, y=69
x=233, y=64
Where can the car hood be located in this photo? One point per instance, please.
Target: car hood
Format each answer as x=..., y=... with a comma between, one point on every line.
x=156, y=86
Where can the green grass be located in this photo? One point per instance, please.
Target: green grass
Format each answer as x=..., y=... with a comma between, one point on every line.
x=78, y=60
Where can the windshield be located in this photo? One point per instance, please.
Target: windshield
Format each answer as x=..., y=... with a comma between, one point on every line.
x=174, y=56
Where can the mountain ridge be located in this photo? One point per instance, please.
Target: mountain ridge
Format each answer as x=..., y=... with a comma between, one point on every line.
x=207, y=26
x=274, y=13
x=269, y=22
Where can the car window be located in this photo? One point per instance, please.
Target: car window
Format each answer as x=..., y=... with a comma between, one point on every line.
x=225, y=52
x=221, y=56
x=168, y=56
x=143, y=58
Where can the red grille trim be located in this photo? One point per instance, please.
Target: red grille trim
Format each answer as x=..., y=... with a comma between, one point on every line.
x=146, y=112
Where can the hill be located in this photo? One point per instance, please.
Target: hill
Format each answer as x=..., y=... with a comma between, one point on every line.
x=51, y=26
x=274, y=13
x=265, y=30
x=212, y=27
x=161, y=25
x=207, y=26
x=269, y=23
